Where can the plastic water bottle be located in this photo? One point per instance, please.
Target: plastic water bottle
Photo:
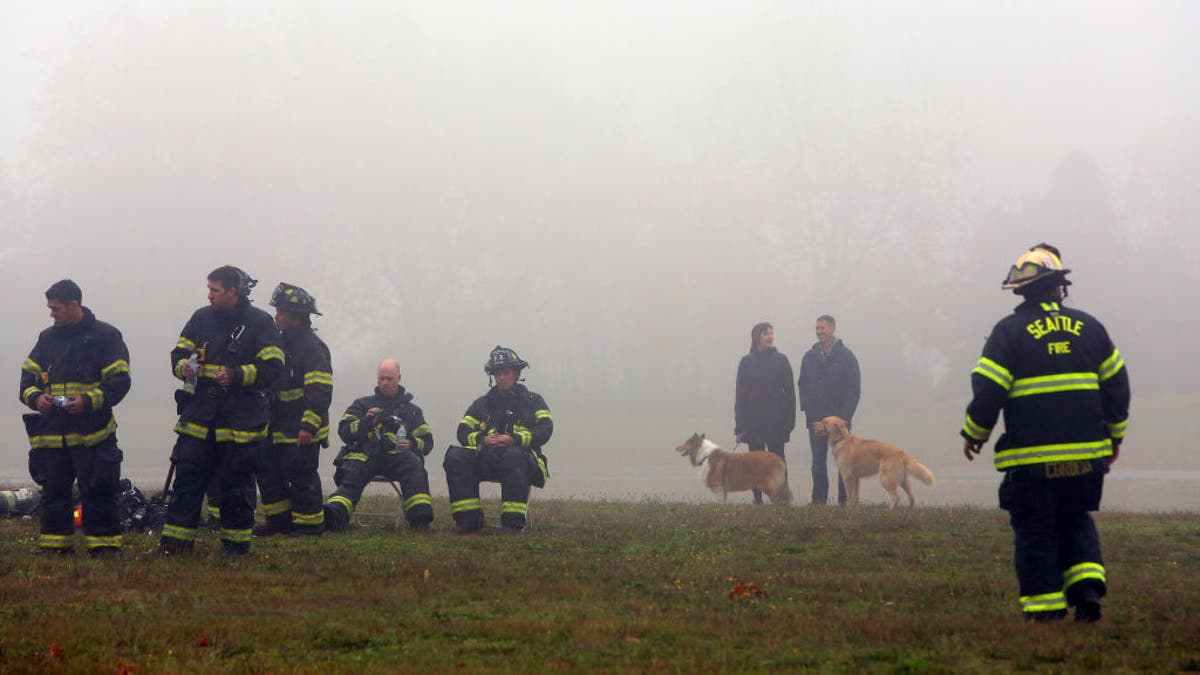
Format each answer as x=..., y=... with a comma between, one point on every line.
x=189, y=383
x=401, y=433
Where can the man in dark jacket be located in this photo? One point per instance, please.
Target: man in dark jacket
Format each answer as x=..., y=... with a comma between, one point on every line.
x=229, y=357
x=829, y=384
x=385, y=435
x=1064, y=391
x=764, y=404
x=287, y=474
x=77, y=372
x=501, y=438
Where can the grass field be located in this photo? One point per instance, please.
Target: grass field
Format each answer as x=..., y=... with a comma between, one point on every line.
x=609, y=586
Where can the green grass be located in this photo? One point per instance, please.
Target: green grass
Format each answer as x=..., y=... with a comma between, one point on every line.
x=606, y=586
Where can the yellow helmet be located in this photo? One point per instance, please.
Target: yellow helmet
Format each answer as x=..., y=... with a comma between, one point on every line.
x=1040, y=262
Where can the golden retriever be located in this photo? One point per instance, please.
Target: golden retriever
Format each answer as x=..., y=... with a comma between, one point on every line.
x=725, y=472
x=861, y=457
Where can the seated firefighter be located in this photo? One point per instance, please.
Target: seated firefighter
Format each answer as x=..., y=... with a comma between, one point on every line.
x=502, y=435
x=386, y=435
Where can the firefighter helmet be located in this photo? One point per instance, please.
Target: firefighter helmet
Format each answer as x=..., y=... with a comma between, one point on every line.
x=291, y=298
x=503, y=357
x=1039, y=263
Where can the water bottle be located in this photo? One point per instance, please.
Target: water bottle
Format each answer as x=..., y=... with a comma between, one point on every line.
x=401, y=433
x=189, y=382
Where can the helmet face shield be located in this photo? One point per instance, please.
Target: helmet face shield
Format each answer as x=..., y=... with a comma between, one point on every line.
x=1034, y=265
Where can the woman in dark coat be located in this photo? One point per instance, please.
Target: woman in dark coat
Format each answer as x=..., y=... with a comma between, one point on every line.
x=764, y=408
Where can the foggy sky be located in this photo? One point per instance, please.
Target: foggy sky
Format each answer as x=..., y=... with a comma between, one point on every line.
x=618, y=191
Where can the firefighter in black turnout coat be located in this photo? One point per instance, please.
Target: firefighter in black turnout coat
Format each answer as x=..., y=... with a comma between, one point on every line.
x=287, y=473
x=1064, y=391
x=76, y=373
x=502, y=435
x=386, y=435
x=230, y=359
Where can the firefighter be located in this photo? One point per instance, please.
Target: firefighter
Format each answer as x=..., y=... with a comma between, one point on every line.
x=287, y=474
x=230, y=359
x=77, y=372
x=502, y=434
x=385, y=435
x=1064, y=391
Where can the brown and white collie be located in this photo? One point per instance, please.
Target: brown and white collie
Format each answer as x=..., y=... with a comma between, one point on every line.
x=725, y=472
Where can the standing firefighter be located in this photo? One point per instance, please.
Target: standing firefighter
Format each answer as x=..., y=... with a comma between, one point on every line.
x=230, y=359
x=502, y=435
x=1064, y=391
x=76, y=373
x=385, y=435
x=287, y=474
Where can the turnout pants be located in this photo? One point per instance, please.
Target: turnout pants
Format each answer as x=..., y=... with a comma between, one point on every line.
x=465, y=469
x=405, y=467
x=196, y=463
x=98, y=471
x=820, y=471
x=1057, y=547
x=290, y=486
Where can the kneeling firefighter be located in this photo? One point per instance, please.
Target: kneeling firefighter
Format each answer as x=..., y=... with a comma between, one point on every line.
x=501, y=436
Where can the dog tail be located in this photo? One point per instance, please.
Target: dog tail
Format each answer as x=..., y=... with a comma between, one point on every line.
x=919, y=470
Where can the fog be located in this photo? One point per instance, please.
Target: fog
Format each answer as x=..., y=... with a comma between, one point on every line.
x=618, y=191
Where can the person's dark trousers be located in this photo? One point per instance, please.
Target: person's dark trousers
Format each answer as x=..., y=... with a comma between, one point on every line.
x=406, y=468
x=466, y=468
x=820, y=470
x=212, y=497
x=291, y=487
x=776, y=448
x=1057, y=549
x=196, y=462
x=98, y=470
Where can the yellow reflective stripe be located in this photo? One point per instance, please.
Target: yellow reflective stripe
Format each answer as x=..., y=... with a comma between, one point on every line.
x=1077, y=573
x=421, y=430
x=1057, y=452
x=276, y=508
x=289, y=395
x=210, y=370
x=56, y=540
x=1047, y=602
x=462, y=505
x=226, y=435
x=418, y=499
x=249, y=374
x=270, y=352
x=72, y=388
x=1117, y=429
x=318, y=377
x=96, y=397
x=1050, y=384
x=280, y=438
x=473, y=440
x=185, y=343
x=192, y=429
x=542, y=414
x=1051, y=307
x=179, y=532
x=541, y=462
x=29, y=392
x=471, y=422
x=976, y=431
x=994, y=372
x=344, y=502
x=99, y=542
x=310, y=418
x=308, y=518
x=31, y=366
x=514, y=507
x=178, y=369
x=235, y=536
x=420, y=443
x=357, y=456
x=523, y=433
x=118, y=366
x=1111, y=366
x=213, y=511
x=68, y=440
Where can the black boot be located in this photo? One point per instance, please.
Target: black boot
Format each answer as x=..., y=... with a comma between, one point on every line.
x=1046, y=617
x=1088, y=608
x=273, y=526
x=171, y=546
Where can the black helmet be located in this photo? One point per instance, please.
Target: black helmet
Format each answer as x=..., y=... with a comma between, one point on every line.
x=291, y=298
x=503, y=357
